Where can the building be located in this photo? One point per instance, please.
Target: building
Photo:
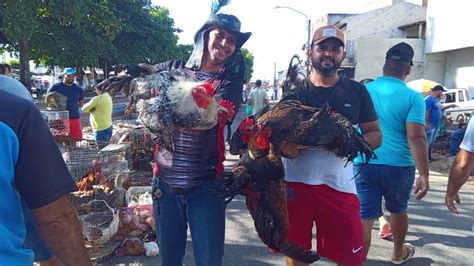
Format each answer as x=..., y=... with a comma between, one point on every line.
x=449, y=44
x=369, y=35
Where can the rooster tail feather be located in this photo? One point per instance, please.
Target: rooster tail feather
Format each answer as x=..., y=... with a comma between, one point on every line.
x=293, y=251
x=216, y=5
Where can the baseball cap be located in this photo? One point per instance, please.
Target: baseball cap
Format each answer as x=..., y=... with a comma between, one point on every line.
x=438, y=88
x=327, y=32
x=401, y=52
x=69, y=71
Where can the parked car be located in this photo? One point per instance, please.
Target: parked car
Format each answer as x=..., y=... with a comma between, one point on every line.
x=464, y=104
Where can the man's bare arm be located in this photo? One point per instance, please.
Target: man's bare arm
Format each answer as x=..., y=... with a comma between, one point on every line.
x=448, y=106
x=419, y=149
x=60, y=228
x=372, y=134
x=81, y=103
x=459, y=174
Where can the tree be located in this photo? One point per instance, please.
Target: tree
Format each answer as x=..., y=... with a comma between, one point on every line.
x=248, y=60
x=75, y=36
x=184, y=51
x=14, y=63
x=19, y=25
x=147, y=34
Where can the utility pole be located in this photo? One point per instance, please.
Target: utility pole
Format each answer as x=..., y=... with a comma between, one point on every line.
x=308, y=27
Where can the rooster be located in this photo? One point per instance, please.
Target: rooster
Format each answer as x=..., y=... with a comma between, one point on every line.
x=259, y=176
x=291, y=121
x=91, y=178
x=169, y=99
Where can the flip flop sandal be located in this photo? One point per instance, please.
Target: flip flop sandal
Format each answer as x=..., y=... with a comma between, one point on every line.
x=410, y=252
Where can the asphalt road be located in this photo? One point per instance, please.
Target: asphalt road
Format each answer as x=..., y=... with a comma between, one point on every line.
x=440, y=238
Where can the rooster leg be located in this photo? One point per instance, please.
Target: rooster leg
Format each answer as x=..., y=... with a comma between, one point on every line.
x=235, y=184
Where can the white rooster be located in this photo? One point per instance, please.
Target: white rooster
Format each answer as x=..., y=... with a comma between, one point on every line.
x=170, y=99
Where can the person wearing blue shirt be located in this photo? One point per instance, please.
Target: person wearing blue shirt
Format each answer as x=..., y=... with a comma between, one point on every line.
x=433, y=115
x=75, y=100
x=33, y=175
x=391, y=175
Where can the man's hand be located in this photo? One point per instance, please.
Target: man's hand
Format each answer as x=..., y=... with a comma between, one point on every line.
x=421, y=187
x=449, y=201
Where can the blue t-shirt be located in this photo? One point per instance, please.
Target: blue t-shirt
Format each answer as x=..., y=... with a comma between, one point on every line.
x=396, y=105
x=74, y=94
x=433, y=106
x=31, y=167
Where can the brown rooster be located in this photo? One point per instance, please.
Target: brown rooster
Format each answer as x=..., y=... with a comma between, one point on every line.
x=306, y=126
x=259, y=176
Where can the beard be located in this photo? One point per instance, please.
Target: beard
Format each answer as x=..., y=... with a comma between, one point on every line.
x=68, y=81
x=325, y=71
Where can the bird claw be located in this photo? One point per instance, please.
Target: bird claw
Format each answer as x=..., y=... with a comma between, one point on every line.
x=232, y=186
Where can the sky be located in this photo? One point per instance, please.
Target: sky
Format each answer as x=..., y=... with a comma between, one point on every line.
x=277, y=34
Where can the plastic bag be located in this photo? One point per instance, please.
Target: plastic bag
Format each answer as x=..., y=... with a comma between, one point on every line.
x=248, y=109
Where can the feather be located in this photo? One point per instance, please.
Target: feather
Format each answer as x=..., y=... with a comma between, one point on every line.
x=216, y=5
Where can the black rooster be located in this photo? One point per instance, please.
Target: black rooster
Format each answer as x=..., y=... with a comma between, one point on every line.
x=259, y=176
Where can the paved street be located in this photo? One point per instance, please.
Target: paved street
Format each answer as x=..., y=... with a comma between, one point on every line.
x=440, y=238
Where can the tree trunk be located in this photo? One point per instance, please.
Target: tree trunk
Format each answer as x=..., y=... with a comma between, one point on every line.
x=25, y=75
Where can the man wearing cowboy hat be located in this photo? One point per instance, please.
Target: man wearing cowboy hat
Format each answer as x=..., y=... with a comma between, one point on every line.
x=186, y=183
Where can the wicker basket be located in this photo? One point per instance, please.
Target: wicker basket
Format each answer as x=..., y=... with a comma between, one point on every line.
x=99, y=232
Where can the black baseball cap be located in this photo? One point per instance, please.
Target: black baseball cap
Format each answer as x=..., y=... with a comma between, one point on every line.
x=401, y=52
x=438, y=88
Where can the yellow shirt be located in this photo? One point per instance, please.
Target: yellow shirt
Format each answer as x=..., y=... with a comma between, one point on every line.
x=101, y=117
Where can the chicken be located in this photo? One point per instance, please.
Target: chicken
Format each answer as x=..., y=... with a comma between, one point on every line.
x=169, y=99
x=91, y=178
x=306, y=126
x=293, y=122
x=259, y=176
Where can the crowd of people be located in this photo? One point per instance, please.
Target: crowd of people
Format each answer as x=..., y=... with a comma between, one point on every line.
x=185, y=181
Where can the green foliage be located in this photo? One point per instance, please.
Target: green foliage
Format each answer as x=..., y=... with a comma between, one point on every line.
x=94, y=33
x=248, y=60
x=147, y=34
x=184, y=51
x=91, y=32
x=14, y=63
x=75, y=34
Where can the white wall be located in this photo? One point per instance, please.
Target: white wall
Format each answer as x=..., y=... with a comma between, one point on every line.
x=448, y=25
x=371, y=57
x=460, y=68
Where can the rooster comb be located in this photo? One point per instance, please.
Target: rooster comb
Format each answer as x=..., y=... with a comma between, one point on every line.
x=229, y=106
x=209, y=88
x=247, y=122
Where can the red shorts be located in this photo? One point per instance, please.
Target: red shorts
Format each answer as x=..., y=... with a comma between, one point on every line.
x=75, y=129
x=338, y=225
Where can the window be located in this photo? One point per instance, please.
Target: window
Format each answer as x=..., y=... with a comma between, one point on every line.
x=461, y=96
x=449, y=98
